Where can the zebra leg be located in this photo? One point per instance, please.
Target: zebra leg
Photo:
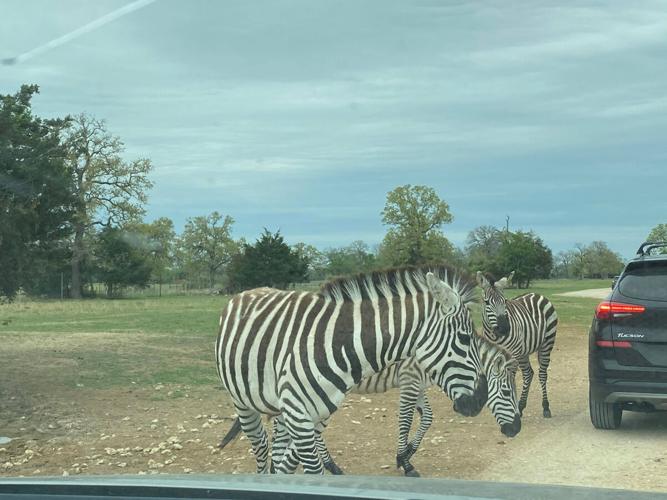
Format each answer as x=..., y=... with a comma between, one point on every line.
x=527, y=372
x=251, y=423
x=302, y=433
x=327, y=460
x=279, y=442
x=426, y=418
x=283, y=453
x=289, y=460
x=408, y=401
x=543, y=358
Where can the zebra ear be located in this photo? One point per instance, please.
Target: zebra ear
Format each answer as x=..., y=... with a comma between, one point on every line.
x=482, y=281
x=502, y=283
x=442, y=292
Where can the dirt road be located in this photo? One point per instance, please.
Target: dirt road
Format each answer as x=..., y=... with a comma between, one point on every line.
x=174, y=429
x=591, y=293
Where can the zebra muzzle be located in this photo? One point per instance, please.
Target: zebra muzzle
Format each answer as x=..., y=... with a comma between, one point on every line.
x=511, y=430
x=502, y=328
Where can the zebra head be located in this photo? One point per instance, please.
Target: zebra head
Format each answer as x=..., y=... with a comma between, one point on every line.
x=500, y=368
x=494, y=315
x=444, y=350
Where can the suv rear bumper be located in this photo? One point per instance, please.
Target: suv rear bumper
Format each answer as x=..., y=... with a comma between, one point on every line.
x=651, y=393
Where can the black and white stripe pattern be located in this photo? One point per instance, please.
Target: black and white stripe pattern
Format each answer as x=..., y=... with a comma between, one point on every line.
x=296, y=354
x=492, y=361
x=523, y=325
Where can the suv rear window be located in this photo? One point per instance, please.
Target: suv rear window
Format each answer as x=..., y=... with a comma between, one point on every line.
x=645, y=280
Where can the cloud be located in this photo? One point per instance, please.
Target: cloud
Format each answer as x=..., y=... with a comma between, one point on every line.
x=301, y=116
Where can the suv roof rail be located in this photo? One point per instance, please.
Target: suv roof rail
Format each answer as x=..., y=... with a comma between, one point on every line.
x=646, y=247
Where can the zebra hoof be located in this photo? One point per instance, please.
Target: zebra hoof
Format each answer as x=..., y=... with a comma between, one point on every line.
x=334, y=469
x=547, y=413
x=412, y=473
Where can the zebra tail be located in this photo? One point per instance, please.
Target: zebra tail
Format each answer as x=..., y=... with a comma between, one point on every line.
x=231, y=434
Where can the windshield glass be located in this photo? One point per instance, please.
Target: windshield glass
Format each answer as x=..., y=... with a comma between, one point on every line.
x=320, y=237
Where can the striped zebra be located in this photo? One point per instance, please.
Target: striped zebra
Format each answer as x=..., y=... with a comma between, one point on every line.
x=492, y=361
x=522, y=325
x=296, y=354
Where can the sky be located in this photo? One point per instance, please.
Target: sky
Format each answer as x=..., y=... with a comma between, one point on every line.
x=302, y=115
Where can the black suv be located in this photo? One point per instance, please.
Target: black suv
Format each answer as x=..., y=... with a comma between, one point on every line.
x=627, y=345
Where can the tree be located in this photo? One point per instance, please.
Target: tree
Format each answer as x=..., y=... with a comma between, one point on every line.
x=658, y=233
x=109, y=190
x=414, y=215
x=564, y=264
x=317, y=261
x=603, y=262
x=352, y=259
x=207, y=245
x=36, y=195
x=120, y=262
x=580, y=260
x=483, y=246
x=596, y=260
x=269, y=262
x=526, y=255
x=395, y=250
x=157, y=240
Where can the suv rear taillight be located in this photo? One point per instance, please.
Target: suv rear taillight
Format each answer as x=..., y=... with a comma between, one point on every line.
x=613, y=343
x=608, y=309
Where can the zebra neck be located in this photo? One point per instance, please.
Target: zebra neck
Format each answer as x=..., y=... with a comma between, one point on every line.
x=383, y=332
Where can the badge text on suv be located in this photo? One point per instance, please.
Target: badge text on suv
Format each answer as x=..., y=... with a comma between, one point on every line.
x=627, y=345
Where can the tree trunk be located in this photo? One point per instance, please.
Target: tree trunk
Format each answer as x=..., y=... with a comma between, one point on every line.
x=211, y=279
x=77, y=254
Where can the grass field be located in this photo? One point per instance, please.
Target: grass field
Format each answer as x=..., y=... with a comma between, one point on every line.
x=169, y=339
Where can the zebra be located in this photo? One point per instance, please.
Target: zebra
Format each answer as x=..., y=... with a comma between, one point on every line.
x=296, y=354
x=496, y=364
x=522, y=325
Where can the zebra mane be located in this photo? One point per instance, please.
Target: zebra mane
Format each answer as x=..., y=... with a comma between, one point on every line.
x=397, y=281
x=489, y=350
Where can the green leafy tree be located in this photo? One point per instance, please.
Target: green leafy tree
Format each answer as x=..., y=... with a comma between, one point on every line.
x=317, y=261
x=352, y=259
x=120, y=262
x=603, y=262
x=206, y=245
x=109, y=190
x=157, y=239
x=414, y=215
x=434, y=247
x=526, y=255
x=483, y=246
x=269, y=262
x=658, y=233
x=36, y=196
x=596, y=260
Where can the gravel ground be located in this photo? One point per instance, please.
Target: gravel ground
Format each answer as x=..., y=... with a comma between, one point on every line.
x=175, y=429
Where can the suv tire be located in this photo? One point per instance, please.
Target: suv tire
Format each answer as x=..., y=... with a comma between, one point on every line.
x=604, y=415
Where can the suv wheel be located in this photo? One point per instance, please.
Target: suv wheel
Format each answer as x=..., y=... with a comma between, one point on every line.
x=604, y=415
